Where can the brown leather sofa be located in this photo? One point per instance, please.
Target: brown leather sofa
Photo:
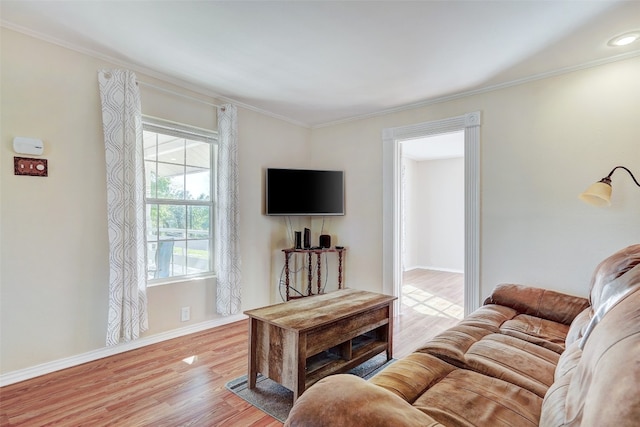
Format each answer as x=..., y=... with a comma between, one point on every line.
x=527, y=357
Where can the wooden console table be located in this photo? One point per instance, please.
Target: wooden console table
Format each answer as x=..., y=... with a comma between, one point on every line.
x=297, y=343
x=309, y=252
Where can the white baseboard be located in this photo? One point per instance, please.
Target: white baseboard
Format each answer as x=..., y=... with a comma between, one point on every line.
x=68, y=362
x=426, y=267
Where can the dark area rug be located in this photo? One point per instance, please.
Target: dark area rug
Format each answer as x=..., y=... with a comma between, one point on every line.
x=276, y=400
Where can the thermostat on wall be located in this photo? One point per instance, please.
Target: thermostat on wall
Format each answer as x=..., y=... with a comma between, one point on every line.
x=24, y=145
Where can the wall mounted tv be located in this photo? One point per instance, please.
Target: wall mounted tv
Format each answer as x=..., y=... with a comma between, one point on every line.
x=304, y=192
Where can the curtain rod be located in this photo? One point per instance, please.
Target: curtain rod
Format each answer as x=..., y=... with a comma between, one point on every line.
x=149, y=85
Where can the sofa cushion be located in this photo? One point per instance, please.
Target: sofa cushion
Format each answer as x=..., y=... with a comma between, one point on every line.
x=412, y=375
x=542, y=332
x=497, y=341
x=348, y=400
x=489, y=317
x=452, y=344
x=524, y=363
x=516, y=361
x=479, y=401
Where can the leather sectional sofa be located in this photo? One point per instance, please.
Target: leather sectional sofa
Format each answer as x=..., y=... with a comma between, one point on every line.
x=527, y=357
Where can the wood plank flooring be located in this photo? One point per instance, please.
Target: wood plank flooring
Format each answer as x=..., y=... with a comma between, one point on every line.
x=181, y=382
x=432, y=301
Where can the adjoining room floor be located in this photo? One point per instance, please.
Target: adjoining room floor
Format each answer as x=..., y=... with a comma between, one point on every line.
x=436, y=293
x=432, y=301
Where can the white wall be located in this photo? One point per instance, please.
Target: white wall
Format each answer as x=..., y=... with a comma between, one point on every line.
x=349, y=147
x=542, y=143
x=54, y=246
x=434, y=231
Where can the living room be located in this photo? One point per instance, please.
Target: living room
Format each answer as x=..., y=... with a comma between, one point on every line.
x=543, y=141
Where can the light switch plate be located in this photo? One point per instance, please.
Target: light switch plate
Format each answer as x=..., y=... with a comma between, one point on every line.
x=30, y=166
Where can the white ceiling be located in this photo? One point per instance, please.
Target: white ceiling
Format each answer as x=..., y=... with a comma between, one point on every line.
x=319, y=62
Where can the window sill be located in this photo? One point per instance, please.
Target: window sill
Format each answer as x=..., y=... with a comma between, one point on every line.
x=176, y=280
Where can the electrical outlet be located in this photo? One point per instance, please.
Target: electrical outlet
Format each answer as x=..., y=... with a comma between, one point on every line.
x=185, y=314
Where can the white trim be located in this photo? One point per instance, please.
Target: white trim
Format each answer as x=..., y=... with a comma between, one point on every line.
x=472, y=212
x=432, y=268
x=90, y=356
x=170, y=125
x=391, y=208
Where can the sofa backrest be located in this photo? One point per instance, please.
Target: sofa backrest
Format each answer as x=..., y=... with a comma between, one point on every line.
x=538, y=302
x=601, y=387
x=597, y=380
x=614, y=278
x=608, y=272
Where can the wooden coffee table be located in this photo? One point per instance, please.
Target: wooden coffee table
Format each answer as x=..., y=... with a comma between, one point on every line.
x=299, y=342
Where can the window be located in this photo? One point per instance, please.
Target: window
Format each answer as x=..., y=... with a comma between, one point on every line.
x=180, y=196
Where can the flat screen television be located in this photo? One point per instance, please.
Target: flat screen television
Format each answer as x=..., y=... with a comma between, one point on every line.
x=304, y=192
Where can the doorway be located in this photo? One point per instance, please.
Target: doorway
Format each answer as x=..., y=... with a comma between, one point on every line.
x=392, y=206
x=432, y=226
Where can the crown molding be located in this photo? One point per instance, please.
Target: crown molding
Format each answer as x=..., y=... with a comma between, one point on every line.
x=148, y=72
x=491, y=88
x=200, y=90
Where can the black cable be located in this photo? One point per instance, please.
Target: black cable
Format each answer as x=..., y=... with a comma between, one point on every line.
x=282, y=282
x=622, y=167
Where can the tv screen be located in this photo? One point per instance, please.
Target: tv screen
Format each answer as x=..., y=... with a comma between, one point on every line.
x=304, y=192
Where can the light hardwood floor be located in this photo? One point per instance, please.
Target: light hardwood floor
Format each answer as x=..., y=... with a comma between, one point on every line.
x=181, y=382
x=432, y=301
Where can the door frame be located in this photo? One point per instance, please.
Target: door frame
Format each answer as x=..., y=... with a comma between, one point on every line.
x=392, y=207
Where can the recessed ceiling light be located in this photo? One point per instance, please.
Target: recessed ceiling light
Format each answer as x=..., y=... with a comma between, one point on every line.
x=625, y=39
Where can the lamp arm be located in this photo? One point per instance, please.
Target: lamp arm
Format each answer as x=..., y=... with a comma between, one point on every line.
x=608, y=177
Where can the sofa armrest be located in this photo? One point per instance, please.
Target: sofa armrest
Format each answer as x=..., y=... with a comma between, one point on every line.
x=348, y=400
x=543, y=303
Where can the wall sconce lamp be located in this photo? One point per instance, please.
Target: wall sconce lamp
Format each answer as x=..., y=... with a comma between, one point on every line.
x=599, y=194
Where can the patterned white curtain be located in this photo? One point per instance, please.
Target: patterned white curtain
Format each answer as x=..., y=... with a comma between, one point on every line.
x=227, y=215
x=122, y=125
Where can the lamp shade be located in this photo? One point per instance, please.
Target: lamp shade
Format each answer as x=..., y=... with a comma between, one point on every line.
x=598, y=194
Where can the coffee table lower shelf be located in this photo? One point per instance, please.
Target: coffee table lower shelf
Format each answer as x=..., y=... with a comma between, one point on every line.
x=316, y=370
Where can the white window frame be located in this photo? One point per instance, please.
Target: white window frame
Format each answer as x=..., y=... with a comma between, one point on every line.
x=167, y=127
